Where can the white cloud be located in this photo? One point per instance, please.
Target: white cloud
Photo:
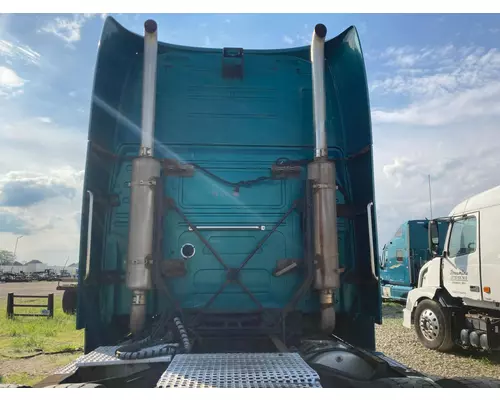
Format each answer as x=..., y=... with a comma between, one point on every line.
x=64, y=29
x=9, y=78
x=11, y=84
x=445, y=85
x=441, y=118
x=408, y=56
x=12, y=224
x=67, y=29
x=404, y=169
x=40, y=186
x=39, y=145
x=12, y=51
x=461, y=161
x=401, y=57
x=46, y=120
x=25, y=189
x=42, y=206
x=51, y=232
x=11, y=93
x=450, y=67
x=449, y=108
x=301, y=38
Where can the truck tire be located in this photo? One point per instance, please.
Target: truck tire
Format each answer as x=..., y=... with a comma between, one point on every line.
x=468, y=383
x=69, y=301
x=433, y=326
x=404, y=383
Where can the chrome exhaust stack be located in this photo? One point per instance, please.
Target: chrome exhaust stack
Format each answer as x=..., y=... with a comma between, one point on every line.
x=323, y=175
x=319, y=96
x=145, y=171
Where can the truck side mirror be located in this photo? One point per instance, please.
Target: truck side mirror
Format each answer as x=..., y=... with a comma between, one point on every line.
x=433, y=237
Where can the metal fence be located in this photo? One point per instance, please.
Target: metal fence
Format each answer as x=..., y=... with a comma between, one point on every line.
x=47, y=309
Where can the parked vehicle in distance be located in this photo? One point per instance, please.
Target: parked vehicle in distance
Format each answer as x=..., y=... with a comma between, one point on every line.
x=63, y=274
x=457, y=298
x=15, y=277
x=403, y=257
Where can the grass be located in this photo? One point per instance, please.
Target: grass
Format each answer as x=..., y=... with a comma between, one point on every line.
x=25, y=335
x=486, y=361
x=24, y=341
x=22, y=378
x=390, y=303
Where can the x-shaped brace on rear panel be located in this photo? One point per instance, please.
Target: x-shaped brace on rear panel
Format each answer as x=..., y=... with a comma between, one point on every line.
x=232, y=274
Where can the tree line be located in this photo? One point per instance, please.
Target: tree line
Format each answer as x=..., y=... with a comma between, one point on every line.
x=7, y=257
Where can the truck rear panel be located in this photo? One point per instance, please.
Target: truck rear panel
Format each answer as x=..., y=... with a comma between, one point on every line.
x=230, y=114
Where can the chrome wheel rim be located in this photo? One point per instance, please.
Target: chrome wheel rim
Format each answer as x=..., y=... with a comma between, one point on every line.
x=429, y=325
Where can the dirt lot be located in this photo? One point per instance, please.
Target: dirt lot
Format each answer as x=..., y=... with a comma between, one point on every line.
x=33, y=370
x=29, y=288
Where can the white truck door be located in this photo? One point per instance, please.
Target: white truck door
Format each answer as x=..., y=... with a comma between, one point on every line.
x=490, y=254
x=461, y=265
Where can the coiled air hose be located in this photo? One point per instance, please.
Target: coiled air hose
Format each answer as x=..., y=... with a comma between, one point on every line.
x=183, y=333
x=145, y=348
x=149, y=348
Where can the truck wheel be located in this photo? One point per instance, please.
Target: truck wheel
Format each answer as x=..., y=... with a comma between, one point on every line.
x=403, y=383
x=69, y=301
x=433, y=326
x=468, y=383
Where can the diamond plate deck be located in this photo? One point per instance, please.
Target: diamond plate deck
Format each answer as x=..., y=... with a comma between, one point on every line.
x=67, y=369
x=239, y=370
x=105, y=355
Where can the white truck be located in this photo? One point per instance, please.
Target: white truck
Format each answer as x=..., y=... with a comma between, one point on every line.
x=457, y=299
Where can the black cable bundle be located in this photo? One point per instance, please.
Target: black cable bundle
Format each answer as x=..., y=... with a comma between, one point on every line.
x=183, y=334
x=150, y=347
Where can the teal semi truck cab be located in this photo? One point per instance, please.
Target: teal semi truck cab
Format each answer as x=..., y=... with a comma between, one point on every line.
x=228, y=224
x=403, y=257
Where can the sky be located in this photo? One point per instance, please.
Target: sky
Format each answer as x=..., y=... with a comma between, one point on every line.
x=434, y=84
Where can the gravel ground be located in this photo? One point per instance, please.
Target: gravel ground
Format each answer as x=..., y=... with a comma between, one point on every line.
x=402, y=345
